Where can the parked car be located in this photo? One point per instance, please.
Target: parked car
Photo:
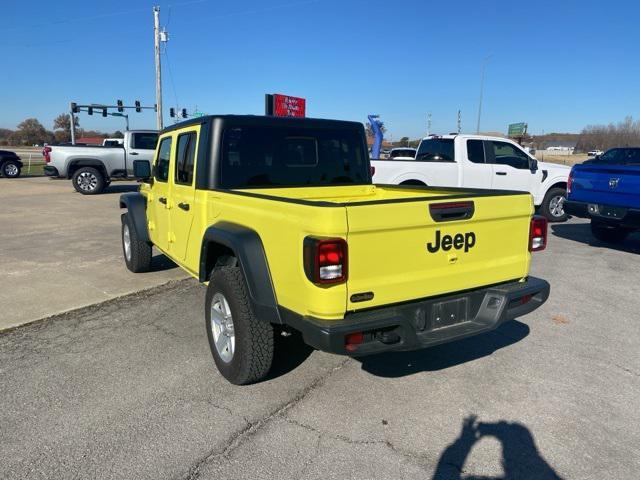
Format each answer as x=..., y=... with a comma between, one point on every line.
x=92, y=167
x=473, y=161
x=279, y=216
x=595, y=153
x=405, y=153
x=607, y=191
x=10, y=164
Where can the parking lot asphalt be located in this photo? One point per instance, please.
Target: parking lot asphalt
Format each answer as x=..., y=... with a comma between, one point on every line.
x=128, y=389
x=60, y=250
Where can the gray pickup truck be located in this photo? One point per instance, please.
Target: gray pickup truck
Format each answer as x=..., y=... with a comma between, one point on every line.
x=91, y=167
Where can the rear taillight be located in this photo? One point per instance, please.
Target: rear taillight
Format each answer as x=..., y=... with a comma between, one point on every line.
x=45, y=154
x=325, y=260
x=570, y=182
x=538, y=234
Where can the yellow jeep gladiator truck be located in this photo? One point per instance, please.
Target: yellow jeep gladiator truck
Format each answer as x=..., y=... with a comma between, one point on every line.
x=280, y=218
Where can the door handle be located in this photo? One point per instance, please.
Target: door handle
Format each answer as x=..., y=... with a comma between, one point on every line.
x=501, y=173
x=184, y=206
x=133, y=153
x=162, y=200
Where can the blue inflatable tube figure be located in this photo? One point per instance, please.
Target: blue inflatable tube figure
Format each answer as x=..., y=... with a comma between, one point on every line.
x=377, y=132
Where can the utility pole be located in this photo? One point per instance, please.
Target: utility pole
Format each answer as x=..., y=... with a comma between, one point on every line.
x=428, y=124
x=156, y=45
x=459, y=122
x=72, y=117
x=484, y=64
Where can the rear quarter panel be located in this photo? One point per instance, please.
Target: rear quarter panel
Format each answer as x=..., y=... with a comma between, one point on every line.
x=282, y=226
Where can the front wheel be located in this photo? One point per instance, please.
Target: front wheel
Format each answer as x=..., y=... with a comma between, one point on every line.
x=608, y=234
x=137, y=253
x=88, y=181
x=11, y=169
x=241, y=344
x=553, y=205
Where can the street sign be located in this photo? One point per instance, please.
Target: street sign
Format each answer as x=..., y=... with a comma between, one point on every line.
x=517, y=129
x=285, y=105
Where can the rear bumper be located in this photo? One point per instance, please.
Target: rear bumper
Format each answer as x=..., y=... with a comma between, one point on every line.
x=610, y=214
x=425, y=323
x=51, y=171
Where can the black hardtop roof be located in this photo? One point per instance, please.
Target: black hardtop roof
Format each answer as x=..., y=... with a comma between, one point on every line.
x=269, y=121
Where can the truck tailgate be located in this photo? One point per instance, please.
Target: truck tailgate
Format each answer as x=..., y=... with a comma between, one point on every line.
x=607, y=185
x=406, y=250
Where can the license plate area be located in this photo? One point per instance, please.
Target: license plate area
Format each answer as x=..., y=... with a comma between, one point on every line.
x=612, y=212
x=448, y=313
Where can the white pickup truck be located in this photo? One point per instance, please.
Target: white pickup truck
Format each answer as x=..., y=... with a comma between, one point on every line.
x=473, y=161
x=91, y=167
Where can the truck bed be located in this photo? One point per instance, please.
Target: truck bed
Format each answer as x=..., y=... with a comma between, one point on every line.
x=399, y=248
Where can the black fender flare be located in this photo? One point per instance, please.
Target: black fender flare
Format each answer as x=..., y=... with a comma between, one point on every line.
x=248, y=248
x=136, y=204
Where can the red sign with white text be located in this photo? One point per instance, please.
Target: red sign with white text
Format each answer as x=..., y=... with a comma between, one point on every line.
x=286, y=106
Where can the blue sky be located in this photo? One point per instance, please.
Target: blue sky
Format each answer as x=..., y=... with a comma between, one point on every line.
x=558, y=65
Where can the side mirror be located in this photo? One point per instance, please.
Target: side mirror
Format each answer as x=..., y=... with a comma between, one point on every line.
x=142, y=169
x=533, y=165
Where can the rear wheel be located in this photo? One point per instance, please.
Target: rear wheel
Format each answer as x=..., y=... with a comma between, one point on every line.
x=553, y=205
x=241, y=344
x=137, y=253
x=11, y=169
x=607, y=233
x=88, y=181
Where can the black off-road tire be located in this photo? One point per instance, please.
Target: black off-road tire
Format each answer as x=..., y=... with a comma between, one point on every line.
x=138, y=260
x=254, y=343
x=88, y=181
x=608, y=234
x=11, y=169
x=551, y=211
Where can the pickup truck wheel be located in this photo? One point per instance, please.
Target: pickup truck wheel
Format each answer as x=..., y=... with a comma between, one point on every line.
x=88, y=181
x=11, y=169
x=137, y=253
x=553, y=205
x=606, y=233
x=241, y=344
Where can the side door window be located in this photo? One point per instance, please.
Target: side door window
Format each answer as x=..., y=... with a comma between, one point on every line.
x=161, y=165
x=506, y=154
x=475, y=151
x=185, y=158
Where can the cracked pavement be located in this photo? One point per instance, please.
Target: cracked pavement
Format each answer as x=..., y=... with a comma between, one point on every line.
x=128, y=389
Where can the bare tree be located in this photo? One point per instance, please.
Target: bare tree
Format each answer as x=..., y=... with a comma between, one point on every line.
x=603, y=137
x=62, y=127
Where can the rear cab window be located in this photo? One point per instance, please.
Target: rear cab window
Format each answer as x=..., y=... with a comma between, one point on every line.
x=475, y=151
x=144, y=140
x=254, y=157
x=436, y=150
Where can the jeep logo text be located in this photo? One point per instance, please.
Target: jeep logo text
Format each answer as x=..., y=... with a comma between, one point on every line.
x=446, y=242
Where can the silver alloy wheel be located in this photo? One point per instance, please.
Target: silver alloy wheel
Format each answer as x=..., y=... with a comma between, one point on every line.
x=556, y=206
x=126, y=242
x=11, y=170
x=222, y=327
x=87, y=181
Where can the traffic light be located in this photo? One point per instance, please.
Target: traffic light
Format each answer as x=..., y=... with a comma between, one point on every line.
x=137, y=104
x=90, y=110
x=120, y=106
x=74, y=107
x=172, y=112
x=184, y=113
x=104, y=112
